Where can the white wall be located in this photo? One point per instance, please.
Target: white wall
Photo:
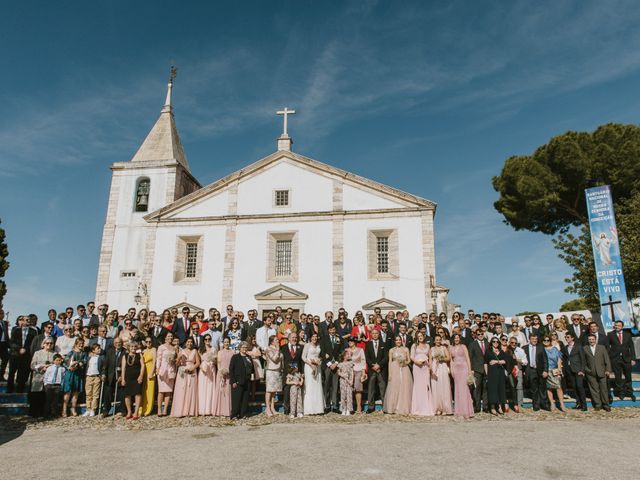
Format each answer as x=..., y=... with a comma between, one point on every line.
x=361, y=199
x=217, y=205
x=160, y=179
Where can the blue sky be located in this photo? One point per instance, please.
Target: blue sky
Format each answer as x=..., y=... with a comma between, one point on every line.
x=428, y=97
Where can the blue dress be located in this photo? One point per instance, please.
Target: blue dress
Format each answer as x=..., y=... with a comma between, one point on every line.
x=73, y=381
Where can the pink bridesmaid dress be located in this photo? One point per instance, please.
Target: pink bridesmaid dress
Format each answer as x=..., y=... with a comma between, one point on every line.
x=222, y=404
x=460, y=372
x=421, y=403
x=440, y=382
x=397, y=398
x=207, y=384
x=185, y=395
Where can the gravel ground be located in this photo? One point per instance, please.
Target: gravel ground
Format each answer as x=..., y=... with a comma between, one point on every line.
x=372, y=446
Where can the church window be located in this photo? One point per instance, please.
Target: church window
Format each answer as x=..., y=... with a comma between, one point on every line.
x=382, y=245
x=188, y=260
x=383, y=255
x=142, y=195
x=281, y=198
x=192, y=259
x=282, y=252
x=127, y=274
x=283, y=258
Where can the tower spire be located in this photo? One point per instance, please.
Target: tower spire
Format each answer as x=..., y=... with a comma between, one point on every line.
x=167, y=103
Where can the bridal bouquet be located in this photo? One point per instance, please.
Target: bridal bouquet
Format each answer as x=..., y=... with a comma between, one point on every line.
x=224, y=372
x=210, y=357
x=170, y=356
x=440, y=356
x=181, y=371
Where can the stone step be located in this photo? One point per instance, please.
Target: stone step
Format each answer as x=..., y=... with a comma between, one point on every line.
x=14, y=398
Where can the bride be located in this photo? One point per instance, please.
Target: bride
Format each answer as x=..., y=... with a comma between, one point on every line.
x=313, y=395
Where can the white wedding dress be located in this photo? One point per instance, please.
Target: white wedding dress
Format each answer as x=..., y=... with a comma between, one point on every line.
x=313, y=394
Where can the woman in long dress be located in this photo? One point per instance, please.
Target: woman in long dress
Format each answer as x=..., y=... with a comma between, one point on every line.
x=149, y=382
x=397, y=398
x=185, y=395
x=440, y=382
x=273, y=374
x=460, y=369
x=313, y=400
x=222, y=405
x=421, y=403
x=494, y=364
x=166, y=369
x=207, y=377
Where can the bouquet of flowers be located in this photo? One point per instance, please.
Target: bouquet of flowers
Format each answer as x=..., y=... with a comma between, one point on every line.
x=224, y=372
x=440, y=356
x=210, y=357
x=182, y=370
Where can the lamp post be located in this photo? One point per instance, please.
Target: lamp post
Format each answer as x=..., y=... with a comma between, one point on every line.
x=142, y=295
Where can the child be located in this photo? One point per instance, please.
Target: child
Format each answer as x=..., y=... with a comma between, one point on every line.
x=295, y=380
x=93, y=380
x=346, y=375
x=52, y=379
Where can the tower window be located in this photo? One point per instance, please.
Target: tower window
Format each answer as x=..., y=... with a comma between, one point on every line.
x=382, y=251
x=283, y=258
x=281, y=198
x=192, y=260
x=142, y=195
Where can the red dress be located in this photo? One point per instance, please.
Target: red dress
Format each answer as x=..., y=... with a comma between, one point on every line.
x=357, y=331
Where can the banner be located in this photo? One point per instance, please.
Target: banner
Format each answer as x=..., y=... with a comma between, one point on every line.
x=606, y=255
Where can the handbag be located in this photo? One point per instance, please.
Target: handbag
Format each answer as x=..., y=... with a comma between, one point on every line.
x=471, y=379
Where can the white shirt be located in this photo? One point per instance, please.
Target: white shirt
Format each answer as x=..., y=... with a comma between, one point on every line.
x=92, y=367
x=262, y=336
x=53, y=375
x=593, y=349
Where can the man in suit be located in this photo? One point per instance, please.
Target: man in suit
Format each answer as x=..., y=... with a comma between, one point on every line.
x=94, y=321
x=622, y=354
x=579, y=330
x=477, y=351
x=529, y=329
x=251, y=326
x=405, y=338
x=36, y=344
x=113, y=364
x=227, y=318
x=291, y=352
x=182, y=326
x=574, y=370
x=157, y=332
x=465, y=333
x=594, y=329
x=533, y=372
x=240, y=371
x=101, y=340
x=385, y=334
x=330, y=348
x=4, y=344
x=597, y=370
x=20, y=347
x=377, y=358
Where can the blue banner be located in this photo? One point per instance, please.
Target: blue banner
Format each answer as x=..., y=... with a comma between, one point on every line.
x=606, y=255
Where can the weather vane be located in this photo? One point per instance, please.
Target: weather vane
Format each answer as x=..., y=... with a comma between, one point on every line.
x=172, y=73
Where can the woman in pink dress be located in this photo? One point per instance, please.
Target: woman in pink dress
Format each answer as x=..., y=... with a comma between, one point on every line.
x=185, y=395
x=460, y=368
x=207, y=377
x=440, y=383
x=397, y=398
x=421, y=403
x=166, y=357
x=222, y=405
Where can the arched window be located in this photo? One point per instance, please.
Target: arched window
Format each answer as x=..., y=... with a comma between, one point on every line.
x=142, y=194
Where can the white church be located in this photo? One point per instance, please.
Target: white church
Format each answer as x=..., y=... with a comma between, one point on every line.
x=285, y=231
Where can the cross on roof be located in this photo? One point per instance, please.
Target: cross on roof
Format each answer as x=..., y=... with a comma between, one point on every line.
x=285, y=113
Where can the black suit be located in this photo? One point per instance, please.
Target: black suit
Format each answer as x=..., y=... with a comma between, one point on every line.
x=4, y=347
x=112, y=366
x=94, y=320
x=533, y=374
x=601, y=340
x=250, y=330
x=108, y=343
x=408, y=340
x=477, y=359
x=288, y=358
x=528, y=331
x=621, y=355
x=376, y=378
x=19, y=364
x=330, y=355
x=467, y=338
x=158, y=335
x=240, y=370
x=580, y=333
x=574, y=371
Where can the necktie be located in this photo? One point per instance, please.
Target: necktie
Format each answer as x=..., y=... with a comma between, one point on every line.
x=293, y=351
x=185, y=325
x=55, y=375
x=375, y=348
x=620, y=337
x=482, y=346
x=532, y=355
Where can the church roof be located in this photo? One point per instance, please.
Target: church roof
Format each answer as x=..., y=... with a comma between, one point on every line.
x=163, y=141
x=305, y=162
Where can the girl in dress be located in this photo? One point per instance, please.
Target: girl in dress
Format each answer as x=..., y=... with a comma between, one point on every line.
x=131, y=377
x=460, y=370
x=222, y=405
x=273, y=374
x=166, y=367
x=345, y=374
x=149, y=383
x=185, y=394
x=421, y=403
x=295, y=380
x=397, y=398
x=255, y=355
x=207, y=377
x=440, y=383
x=313, y=394
x=73, y=381
x=359, y=370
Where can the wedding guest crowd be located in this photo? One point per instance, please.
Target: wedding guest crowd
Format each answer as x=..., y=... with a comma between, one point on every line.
x=180, y=363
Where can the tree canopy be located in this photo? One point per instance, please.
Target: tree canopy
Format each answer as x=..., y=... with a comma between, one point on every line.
x=4, y=265
x=544, y=192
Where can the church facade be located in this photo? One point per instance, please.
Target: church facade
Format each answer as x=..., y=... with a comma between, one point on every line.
x=284, y=231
